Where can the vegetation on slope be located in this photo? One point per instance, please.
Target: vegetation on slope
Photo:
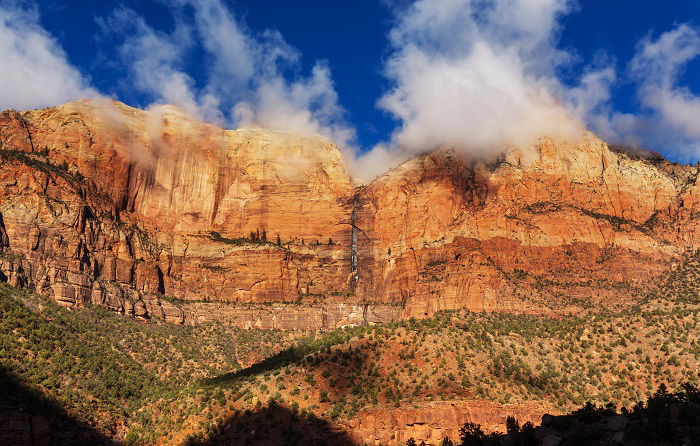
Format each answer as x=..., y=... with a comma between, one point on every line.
x=149, y=381
x=103, y=367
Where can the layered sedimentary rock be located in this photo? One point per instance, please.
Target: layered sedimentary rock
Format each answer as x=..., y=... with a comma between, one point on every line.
x=155, y=214
x=314, y=317
x=554, y=227
x=102, y=203
x=434, y=421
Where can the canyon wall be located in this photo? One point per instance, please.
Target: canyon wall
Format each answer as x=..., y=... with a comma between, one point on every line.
x=154, y=214
x=556, y=227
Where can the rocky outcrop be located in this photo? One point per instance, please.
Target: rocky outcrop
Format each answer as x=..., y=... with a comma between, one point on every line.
x=434, y=421
x=313, y=317
x=103, y=204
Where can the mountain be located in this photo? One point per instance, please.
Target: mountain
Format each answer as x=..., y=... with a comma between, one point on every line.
x=275, y=299
x=155, y=214
x=579, y=225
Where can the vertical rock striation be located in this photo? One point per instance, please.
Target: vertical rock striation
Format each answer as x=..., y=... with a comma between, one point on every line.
x=155, y=214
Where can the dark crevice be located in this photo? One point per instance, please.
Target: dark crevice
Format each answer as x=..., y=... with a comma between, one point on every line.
x=161, y=281
x=353, y=246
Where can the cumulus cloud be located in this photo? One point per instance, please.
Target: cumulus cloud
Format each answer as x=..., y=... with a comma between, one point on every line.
x=34, y=69
x=251, y=79
x=481, y=76
x=668, y=118
x=674, y=110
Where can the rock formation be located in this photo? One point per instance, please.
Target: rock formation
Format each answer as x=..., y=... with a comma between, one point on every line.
x=434, y=421
x=155, y=214
x=579, y=222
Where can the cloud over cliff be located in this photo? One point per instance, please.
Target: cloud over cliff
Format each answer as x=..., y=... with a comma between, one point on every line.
x=475, y=75
x=251, y=79
x=480, y=76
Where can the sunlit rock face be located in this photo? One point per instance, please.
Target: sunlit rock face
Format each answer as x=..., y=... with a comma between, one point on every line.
x=433, y=421
x=104, y=203
x=143, y=211
x=554, y=227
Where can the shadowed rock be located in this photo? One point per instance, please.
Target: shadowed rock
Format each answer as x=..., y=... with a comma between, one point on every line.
x=27, y=418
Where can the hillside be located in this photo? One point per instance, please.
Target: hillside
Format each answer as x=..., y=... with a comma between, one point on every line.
x=102, y=368
x=152, y=381
x=156, y=215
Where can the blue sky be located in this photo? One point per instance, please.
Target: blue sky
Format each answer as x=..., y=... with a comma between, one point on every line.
x=376, y=76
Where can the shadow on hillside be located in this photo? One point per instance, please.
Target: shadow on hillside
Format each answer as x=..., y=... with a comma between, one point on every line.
x=274, y=362
x=292, y=355
x=29, y=418
x=274, y=425
x=335, y=369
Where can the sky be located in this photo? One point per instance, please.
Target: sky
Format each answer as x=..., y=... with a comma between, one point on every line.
x=383, y=79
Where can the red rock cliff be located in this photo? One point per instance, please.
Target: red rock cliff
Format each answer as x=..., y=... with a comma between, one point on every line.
x=577, y=224
x=105, y=204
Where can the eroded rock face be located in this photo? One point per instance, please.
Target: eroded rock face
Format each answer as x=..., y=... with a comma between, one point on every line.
x=576, y=225
x=104, y=204
x=313, y=317
x=110, y=205
x=432, y=422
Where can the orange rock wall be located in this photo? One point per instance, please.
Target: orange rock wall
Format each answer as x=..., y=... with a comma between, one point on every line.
x=579, y=222
x=105, y=204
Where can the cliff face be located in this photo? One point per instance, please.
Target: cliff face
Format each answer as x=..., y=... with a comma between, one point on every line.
x=558, y=227
x=436, y=420
x=105, y=204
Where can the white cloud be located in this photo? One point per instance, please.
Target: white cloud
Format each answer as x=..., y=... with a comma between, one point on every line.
x=34, y=70
x=592, y=95
x=658, y=65
x=370, y=164
x=669, y=118
x=232, y=51
x=308, y=105
x=248, y=80
x=481, y=76
x=155, y=61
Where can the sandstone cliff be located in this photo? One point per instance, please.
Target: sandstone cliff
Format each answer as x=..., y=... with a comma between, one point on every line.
x=148, y=211
x=576, y=225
